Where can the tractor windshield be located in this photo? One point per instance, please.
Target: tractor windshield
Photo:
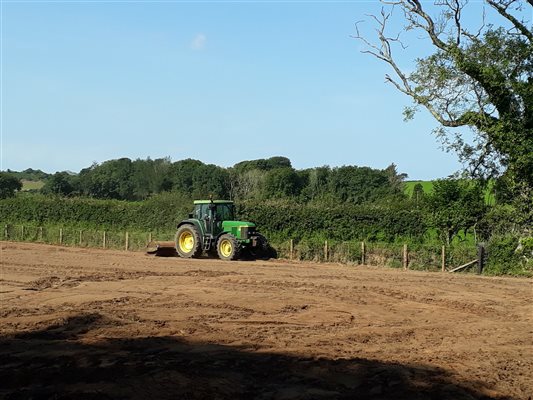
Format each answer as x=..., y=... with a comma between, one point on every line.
x=225, y=212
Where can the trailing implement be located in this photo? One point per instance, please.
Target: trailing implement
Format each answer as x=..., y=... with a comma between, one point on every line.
x=211, y=228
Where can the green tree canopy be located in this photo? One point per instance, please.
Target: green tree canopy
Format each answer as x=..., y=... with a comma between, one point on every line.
x=198, y=179
x=182, y=172
x=124, y=179
x=282, y=182
x=209, y=180
x=109, y=180
x=30, y=174
x=361, y=184
x=477, y=77
x=455, y=205
x=150, y=176
x=9, y=184
x=418, y=195
x=263, y=164
x=60, y=183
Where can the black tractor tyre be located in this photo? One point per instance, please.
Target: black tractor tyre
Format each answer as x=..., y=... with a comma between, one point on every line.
x=263, y=250
x=188, y=243
x=228, y=247
x=267, y=251
x=212, y=252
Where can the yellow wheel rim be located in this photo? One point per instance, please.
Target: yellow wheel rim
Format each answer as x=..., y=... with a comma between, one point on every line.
x=186, y=242
x=226, y=247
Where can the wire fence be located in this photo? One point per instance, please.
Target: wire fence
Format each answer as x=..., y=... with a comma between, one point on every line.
x=428, y=257
x=82, y=237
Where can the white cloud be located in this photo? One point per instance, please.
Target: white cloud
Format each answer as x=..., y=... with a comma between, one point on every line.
x=199, y=41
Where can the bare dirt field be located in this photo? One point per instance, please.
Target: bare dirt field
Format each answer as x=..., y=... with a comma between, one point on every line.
x=93, y=324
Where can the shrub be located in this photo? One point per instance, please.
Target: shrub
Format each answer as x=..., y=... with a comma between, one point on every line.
x=510, y=254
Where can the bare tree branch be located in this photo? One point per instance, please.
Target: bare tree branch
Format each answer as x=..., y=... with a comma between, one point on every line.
x=517, y=24
x=476, y=78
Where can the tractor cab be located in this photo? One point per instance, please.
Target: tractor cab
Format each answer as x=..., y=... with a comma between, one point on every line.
x=215, y=216
x=218, y=210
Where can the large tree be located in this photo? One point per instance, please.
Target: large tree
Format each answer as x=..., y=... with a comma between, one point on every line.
x=61, y=184
x=9, y=184
x=454, y=206
x=108, y=180
x=479, y=77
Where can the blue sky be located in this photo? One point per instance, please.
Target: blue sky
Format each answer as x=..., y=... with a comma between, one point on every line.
x=220, y=82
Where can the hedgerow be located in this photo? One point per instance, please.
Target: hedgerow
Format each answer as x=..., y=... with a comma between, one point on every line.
x=384, y=227
x=160, y=212
x=281, y=218
x=339, y=222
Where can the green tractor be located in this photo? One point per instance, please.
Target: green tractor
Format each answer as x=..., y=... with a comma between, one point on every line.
x=212, y=228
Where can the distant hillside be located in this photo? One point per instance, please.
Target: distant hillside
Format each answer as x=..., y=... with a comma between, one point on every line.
x=427, y=186
x=410, y=185
x=30, y=174
x=31, y=185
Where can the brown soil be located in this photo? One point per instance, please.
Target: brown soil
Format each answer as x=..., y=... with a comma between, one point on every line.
x=86, y=323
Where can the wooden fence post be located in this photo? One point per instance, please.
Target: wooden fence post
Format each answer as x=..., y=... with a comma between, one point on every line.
x=127, y=241
x=6, y=234
x=291, y=249
x=149, y=237
x=443, y=258
x=363, y=253
x=326, y=250
x=60, y=236
x=480, y=257
x=40, y=234
x=405, y=257
x=22, y=233
x=104, y=240
x=81, y=237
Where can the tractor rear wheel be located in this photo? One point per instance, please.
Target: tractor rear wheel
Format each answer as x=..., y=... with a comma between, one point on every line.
x=188, y=244
x=228, y=248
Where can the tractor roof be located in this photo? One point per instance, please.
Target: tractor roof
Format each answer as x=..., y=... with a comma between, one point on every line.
x=214, y=201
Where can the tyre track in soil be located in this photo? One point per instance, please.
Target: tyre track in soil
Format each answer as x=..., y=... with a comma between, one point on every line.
x=452, y=336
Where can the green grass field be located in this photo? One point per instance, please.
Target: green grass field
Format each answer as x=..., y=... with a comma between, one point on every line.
x=427, y=186
x=31, y=185
x=410, y=185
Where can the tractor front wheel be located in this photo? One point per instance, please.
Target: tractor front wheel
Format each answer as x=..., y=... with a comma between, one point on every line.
x=188, y=243
x=228, y=247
